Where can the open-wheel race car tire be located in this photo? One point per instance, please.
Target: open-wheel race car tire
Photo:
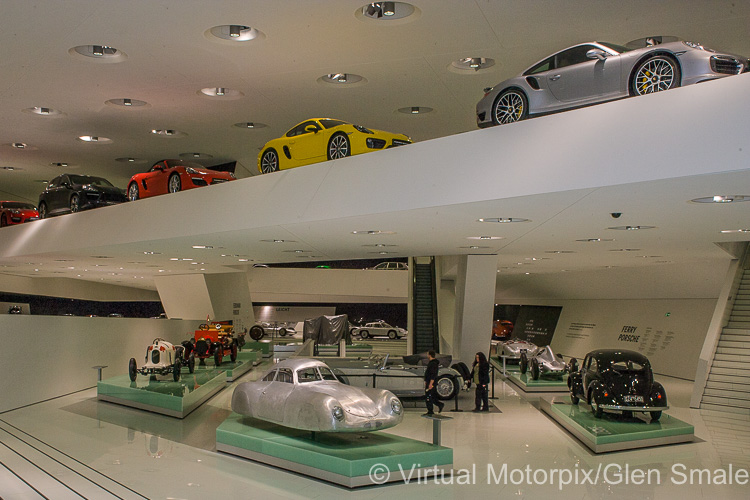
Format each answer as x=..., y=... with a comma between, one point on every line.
x=535, y=369
x=256, y=332
x=461, y=368
x=446, y=387
x=233, y=355
x=132, y=369
x=523, y=363
x=176, y=369
x=191, y=363
x=218, y=355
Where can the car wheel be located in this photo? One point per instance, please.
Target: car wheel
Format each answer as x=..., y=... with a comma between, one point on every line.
x=534, y=369
x=655, y=416
x=392, y=335
x=176, y=368
x=233, y=355
x=655, y=74
x=596, y=409
x=3, y=221
x=282, y=332
x=574, y=399
x=175, y=184
x=75, y=203
x=446, y=388
x=269, y=162
x=133, y=191
x=364, y=334
x=510, y=106
x=524, y=363
x=42, y=210
x=218, y=356
x=132, y=369
x=191, y=363
x=338, y=147
x=256, y=332
x=461, y=368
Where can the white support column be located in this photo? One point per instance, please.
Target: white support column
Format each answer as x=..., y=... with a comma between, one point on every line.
x=475, y=301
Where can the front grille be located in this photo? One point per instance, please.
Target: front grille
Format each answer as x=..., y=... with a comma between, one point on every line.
x=399, y=142
x=373, y=143
x=198, y=181
x=726, y=65
x=218, y=181
x=15, y=219
x=155, y=356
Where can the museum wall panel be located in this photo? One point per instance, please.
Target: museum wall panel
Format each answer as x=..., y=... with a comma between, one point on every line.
x=48, y=356
x=74, y=289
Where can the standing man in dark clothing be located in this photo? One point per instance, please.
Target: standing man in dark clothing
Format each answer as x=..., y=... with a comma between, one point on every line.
x=430, y=381
x=480, y=375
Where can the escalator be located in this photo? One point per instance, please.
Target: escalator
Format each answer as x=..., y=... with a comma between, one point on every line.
x=425, y=308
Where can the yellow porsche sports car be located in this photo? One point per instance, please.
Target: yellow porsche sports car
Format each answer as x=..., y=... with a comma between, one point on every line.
x=321, y=139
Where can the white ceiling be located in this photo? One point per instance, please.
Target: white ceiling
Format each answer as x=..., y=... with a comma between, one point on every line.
x=169, y=59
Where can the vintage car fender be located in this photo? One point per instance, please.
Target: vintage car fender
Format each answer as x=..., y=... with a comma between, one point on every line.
x=656, y=392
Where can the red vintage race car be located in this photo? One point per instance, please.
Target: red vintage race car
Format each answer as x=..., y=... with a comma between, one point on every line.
x=17, y=212
x=213, y=340
x=171, y=176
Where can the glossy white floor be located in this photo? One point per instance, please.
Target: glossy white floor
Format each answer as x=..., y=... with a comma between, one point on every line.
x=76, y=447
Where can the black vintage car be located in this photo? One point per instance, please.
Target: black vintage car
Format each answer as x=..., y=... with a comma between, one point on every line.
x=615, y=380
x=69, y=193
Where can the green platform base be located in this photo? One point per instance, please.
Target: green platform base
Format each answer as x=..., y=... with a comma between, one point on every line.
x=251, y=356
x=614, y=432
x=164, y=396
x=342, y=458
x=525, y=383
x=264, y=346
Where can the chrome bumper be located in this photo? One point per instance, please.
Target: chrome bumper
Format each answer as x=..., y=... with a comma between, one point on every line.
x=633, y=408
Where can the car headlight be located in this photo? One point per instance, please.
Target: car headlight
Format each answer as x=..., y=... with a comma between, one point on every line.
x=232, y=175
x=191, y=170
x=694, y=45
x=364, y=130
x=89, y=187
x=338, y=413
x=396, y=406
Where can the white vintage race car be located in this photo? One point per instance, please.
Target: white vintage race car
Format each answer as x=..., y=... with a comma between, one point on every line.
x=162, y=358
x=379, y=329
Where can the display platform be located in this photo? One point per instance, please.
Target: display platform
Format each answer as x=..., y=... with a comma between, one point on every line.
x=252, y=356
x=347, y=459
x=175, y=399
x=527, y=384
x=352, y=351
x=614, y=432
x=265, y=347
x=239, y=367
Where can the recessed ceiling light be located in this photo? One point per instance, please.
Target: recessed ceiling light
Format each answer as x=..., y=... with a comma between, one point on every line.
x=60, y=164
x=100, y=53
x=130, y=159
x=722, y=199
x=502, y=220
x=94, y=139
x=485, y=238
x=10, y=169
x=203, y=247
x=233, y=33
x=373, y=232
x=152, y=253
x=168, y=132
x=19, y=145
x=625, y=250
x=387, y=11
x=342, y=79
x=379, y=245
x=630, y=228
x=196, y=156
x=415, y=110
x=727, y=231
x=595, y=240
x=221, y=93
x=559, y=251
x=250, y=125
x=472, y=64
x=42, y=111
x=243, y=260
x=126, y=102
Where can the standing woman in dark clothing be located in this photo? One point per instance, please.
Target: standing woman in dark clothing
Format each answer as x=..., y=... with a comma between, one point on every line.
x=430, y=381
x=480, y=375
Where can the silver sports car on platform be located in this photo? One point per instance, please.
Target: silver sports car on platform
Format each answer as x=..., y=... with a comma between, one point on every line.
x=595, y=72
x=544, y=363
x=305, y=394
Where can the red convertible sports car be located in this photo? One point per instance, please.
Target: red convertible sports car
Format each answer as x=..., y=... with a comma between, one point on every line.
x=171, y=176
x=16, y=212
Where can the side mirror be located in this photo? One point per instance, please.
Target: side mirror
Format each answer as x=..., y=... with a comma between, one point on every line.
x=559, y=355
x=596, y=54
x=311, y=128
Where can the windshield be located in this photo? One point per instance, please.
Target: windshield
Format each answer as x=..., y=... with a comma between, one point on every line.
x=326, y=373
x=84, y=179
x=328, y=123
x=615, y=47
x=308, y=375
x=18, y=205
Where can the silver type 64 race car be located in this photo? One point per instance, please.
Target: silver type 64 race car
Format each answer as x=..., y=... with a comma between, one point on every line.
x=543, y=363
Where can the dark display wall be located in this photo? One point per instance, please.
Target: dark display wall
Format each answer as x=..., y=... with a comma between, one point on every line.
x=57, y=306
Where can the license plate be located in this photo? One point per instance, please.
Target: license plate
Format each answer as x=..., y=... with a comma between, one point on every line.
x=633, y=399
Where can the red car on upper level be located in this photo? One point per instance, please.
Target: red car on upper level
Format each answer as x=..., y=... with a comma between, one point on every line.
x=171, y=176
x=17, y=212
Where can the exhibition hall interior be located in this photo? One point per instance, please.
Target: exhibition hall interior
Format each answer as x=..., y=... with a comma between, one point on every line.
x=346, y=249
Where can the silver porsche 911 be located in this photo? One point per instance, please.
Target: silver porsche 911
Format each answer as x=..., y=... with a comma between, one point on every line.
x=595, y=72
x=305, y=394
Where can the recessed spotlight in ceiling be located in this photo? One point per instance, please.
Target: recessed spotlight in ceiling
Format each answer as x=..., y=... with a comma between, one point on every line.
x=127, y=102
x=415, y=110
x=94, y=139
x=474, y=247
x=250, y=125
x=729, y=231
x=502, y=220
x=595, y=240
x=722, y=199
x=220, y=93
x=168, y=133
x=278, y=240
x=379, y=245
x=471, y=64
x=373, y=232
x=42, y=111
x=387, y=11
x=19, y=145
x=342, y=79
x=152, y=253
x=62, y=164
x=233, y=33
x=130, y=159
x=630, y=228
x=243, y=260
x=10, y=169
x=559, y=251
x=100, y=53
x=203, y=247
x=195, y=156
x=625, y=250
x=485, y=238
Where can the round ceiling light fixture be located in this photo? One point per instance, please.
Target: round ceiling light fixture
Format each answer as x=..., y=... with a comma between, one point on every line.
x=130, y=159
x=373, y=232
x=734, y=198
x=233, y=33
x=250, y=125
x=220, y=93
x=168, y=133
x=62, y=164
x=195, y=156
x=503, y=220
x=42, y=111
x=99, y=53
x=630, y=228
x=595, y=240
x=343, y=79
x=485, y=238
x=559, y=251
x=471, y=64
x=415, y=110
x=126, y=102
x=97, y=139
x=19, y=145
x=389, y=12
x=729, y=231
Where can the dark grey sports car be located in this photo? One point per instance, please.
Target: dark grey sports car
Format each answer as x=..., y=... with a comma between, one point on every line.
x=70, y=193
x=595, y=72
